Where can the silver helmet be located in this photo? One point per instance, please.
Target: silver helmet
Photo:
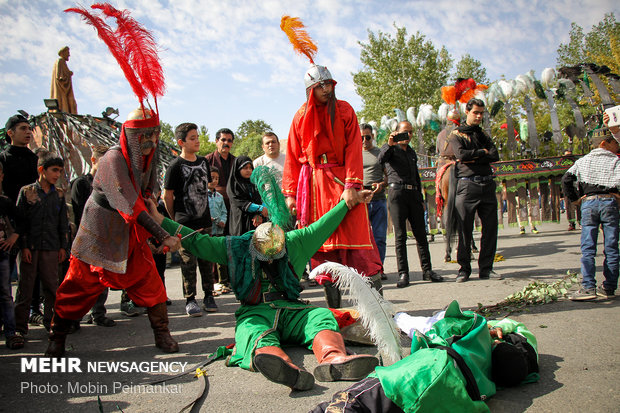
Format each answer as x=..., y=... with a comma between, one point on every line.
x=316, y=74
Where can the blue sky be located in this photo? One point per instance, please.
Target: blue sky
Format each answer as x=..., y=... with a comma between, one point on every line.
x=228, y=61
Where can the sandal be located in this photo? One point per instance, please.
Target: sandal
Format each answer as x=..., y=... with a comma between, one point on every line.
x=226, y=290
x=15, y=342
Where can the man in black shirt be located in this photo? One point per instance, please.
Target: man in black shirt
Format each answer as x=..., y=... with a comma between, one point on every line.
x=405, y=203
x=187, y=201
x=475, y=191
x=18, y=161
x=20, y=169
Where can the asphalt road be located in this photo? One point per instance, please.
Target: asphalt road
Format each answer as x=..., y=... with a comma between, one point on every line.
x=579, y=344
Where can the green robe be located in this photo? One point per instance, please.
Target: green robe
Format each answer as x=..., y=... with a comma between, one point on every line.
x=270, y=323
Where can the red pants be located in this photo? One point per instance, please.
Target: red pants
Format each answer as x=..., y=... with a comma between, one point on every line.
x=84, y=282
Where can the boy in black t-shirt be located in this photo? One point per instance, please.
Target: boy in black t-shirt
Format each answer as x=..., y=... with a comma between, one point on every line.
x=187, y=202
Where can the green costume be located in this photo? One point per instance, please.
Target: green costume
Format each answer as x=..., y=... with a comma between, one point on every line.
x=261, y=322
x=429, y=380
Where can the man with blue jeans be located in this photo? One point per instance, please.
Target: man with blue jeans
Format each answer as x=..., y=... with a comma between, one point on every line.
x=375, y=179
x=598, y=177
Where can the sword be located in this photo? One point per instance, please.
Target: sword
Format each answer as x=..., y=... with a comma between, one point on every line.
x=166, y=249
x=191, y=233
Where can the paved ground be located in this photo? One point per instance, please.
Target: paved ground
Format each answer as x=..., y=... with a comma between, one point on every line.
x=579, y=344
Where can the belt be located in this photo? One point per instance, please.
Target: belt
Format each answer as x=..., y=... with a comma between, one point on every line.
x=273, y=296
x=478, y=178
x=596, y=196
x=398, y=185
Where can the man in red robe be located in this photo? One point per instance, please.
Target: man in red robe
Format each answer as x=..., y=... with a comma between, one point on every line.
x=110, y=248
x=323, y=162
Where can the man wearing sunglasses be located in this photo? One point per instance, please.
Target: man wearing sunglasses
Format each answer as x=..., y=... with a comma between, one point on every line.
x=375, y=179
x=222, y=159
x=406, y=202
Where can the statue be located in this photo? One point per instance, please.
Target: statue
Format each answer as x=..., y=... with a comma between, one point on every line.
x=62, y=88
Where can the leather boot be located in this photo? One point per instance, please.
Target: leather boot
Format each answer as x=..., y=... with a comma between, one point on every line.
x=59, y=329
x=334, y=364
x=273, y=363
x=403, y=280
x=158, y=316
x=332, y=295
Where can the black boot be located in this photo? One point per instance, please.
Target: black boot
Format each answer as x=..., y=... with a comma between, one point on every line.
x=59, y=329
x=432, y=276
x=332, y=295
x=403, y=280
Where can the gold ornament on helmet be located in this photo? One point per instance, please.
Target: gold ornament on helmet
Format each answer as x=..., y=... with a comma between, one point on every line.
x=268, y=242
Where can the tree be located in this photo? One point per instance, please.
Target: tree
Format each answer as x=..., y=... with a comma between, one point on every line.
x=601, y=45
x=250, y=146
x=249, y=127
x=248, y=139
x=167, y=134
x=206, y=147
x=399, y=72
x=468, y=67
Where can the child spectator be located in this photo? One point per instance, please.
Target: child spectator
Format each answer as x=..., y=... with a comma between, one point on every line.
x=44, y=238
x=8, y=237
x=186, y=200
x=219, y=216
x=246, y=209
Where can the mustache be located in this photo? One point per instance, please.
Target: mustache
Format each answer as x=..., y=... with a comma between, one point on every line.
x=226, y=146
x=148, y=145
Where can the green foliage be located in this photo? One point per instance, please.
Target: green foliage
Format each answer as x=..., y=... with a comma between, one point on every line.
x=167, y=134
x=206, y=147
x=599, y=46
x=399, y=72
x=250, y=146
x=252, y=127
x=536, y=292
x=468, y=67
x=249, y=138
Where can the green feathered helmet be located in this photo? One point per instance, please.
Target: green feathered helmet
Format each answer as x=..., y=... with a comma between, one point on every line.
x=268, y=241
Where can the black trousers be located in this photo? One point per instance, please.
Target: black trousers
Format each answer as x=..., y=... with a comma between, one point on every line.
x=407, y=205
x=472, y=197
x=365, y=396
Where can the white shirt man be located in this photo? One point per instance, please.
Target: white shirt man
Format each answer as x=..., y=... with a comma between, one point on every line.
x=272, y=157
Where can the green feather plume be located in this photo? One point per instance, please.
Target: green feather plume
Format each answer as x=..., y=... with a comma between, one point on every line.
x=538, y=88
x=496, y=107
x=266, y=180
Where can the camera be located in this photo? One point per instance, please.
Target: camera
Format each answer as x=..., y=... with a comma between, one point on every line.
x=614, y=116
x=401, y=137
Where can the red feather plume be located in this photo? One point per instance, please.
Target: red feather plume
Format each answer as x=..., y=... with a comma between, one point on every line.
x=463, y=85
x=299, y=38
x=472, y=93
x=106, y=34
x=140, y=48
